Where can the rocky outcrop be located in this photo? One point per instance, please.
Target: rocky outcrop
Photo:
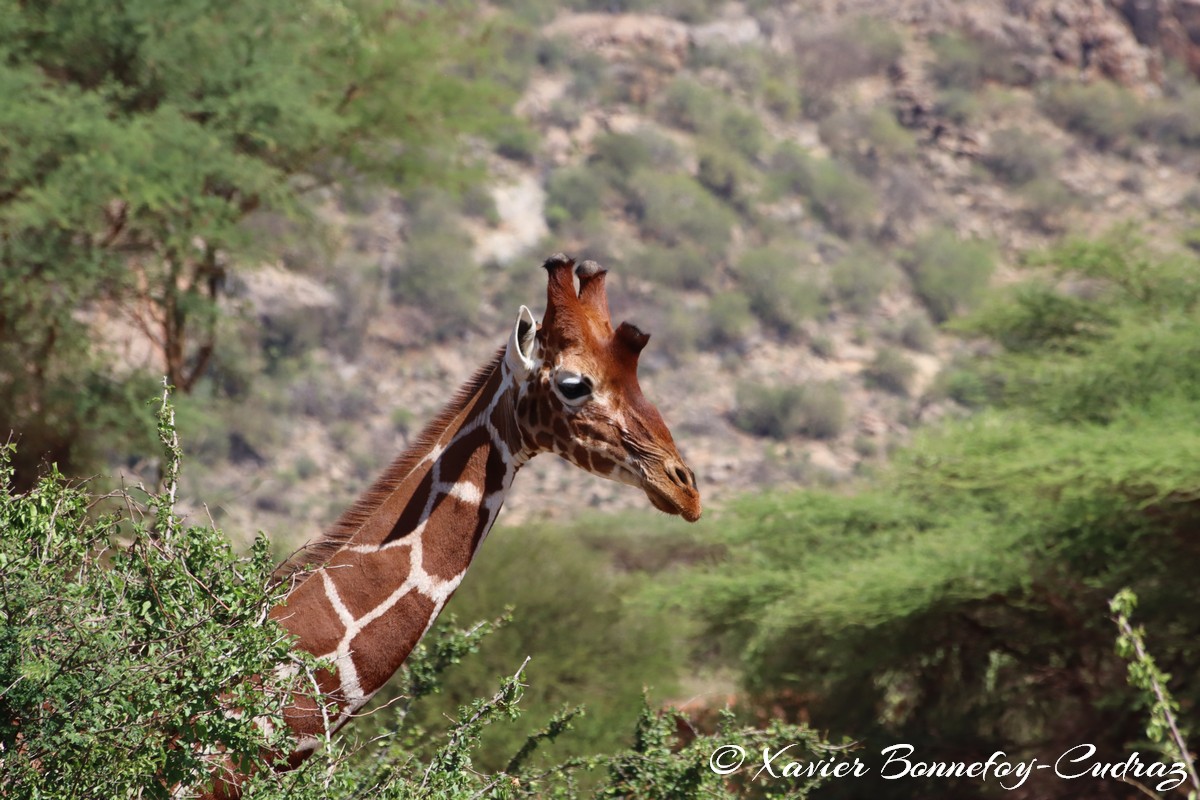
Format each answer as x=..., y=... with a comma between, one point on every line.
x=1125, y=41
x=274, y=292
x=1172, y=26
x=620, y=37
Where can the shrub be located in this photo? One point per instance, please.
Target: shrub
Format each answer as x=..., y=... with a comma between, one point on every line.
x=781, y=95
x=684, y=330
x=891, y=371
x=789, y=167
x=906, y=194
x=591, y=74
x=855, y=49
x=312, y=392
x=357, y=283
x=840, y=199
x=515, y=52
x=1175, y=117
x=624, y=153
x=779, y=295
x=690, y=11
x=740, y=131
x=573, y=194
x=815, y=410
x=292, y=332
x=1018, y=156
x=683, y=266
x=891, y=140
x=746, y=64
x=878, y=43
x=1046, y=203
x=228, y=429
x=822, y=347
x=729, y=319
x=967, y=62
x=675, y=210
x=914, y=332
x=694, y=107
x=964, y=386
x=858, y=277
x=597, y=240
x=403, y=420
x=1102, y=112
x=515, y=139
x=687, y=104
x=867, y=138
x=437, y=273
x=726, y=174
x=116, y=659
x=960, y=106
x=478, y=202
x=949, y=275
x=617, y=157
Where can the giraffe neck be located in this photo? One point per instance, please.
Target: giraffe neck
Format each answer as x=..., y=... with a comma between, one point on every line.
x=410, y=542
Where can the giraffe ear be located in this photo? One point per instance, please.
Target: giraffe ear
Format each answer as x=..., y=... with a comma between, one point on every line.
x=519, y=352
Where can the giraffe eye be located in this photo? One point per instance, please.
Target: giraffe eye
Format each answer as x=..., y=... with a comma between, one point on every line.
x=574, y=388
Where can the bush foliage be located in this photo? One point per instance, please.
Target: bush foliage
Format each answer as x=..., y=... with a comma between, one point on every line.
x=781, y=295
x=675, y=210
x=137, y=659
x=950, y=275
x=840, y=198
x=891, y=371
x=438, y=274
x=813, y=409
x=125, y=639
x=1102, y=112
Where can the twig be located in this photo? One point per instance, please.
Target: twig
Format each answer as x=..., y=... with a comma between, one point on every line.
x=1163, y=702
x=497, y=698
x=1139, y=787
x=331, y=763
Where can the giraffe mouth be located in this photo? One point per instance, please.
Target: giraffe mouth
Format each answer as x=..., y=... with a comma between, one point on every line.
x=664, y=502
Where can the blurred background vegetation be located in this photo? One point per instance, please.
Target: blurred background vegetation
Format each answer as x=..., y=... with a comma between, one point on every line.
x=923, y=285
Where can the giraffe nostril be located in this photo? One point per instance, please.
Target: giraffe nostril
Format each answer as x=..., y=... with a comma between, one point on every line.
x=683, y=477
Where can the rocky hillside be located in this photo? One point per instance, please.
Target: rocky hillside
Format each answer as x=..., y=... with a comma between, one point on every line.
x=795, y=199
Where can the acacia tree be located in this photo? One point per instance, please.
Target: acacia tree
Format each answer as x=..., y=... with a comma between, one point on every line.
x=136, y=138
x=958, y=602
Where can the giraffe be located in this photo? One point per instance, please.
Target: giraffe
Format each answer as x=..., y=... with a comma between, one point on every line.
x=377, y=580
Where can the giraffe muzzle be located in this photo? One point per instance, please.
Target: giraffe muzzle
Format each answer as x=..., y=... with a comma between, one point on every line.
x=674, y=490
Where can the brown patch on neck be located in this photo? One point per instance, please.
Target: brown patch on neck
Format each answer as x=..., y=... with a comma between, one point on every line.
x=352, y=520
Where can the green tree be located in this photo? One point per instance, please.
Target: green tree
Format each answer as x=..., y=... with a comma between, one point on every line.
x=958, y=602
x=586, y=644
x=136, y=140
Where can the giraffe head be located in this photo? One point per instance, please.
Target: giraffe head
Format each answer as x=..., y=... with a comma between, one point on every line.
x=578, y=392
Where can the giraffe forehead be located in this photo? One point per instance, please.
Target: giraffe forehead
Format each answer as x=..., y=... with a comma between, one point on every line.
x=581, y=361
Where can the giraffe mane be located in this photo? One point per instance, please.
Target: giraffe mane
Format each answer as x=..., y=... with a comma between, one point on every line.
x=321, y=549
